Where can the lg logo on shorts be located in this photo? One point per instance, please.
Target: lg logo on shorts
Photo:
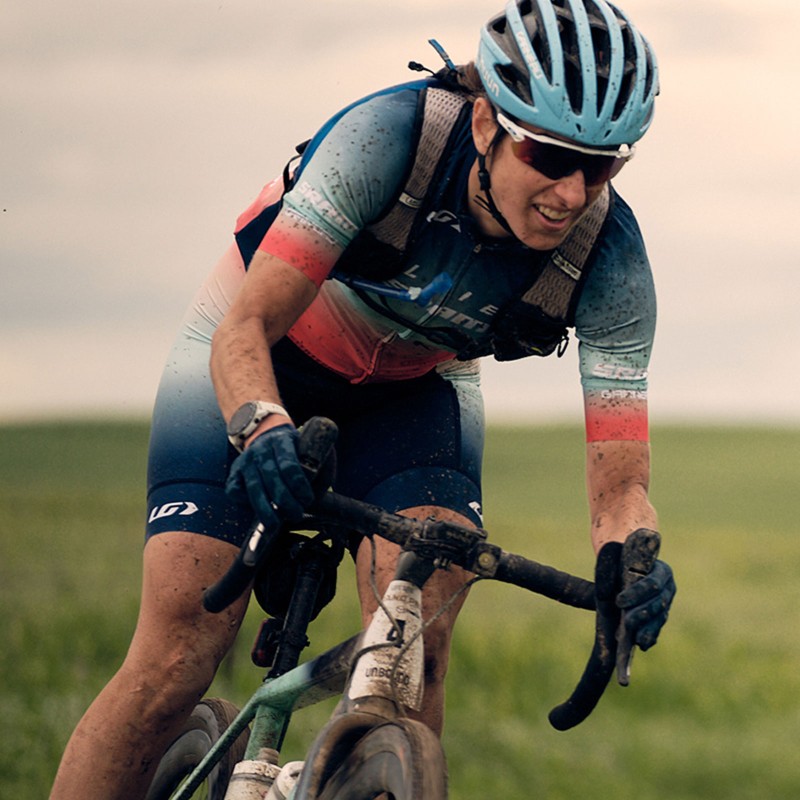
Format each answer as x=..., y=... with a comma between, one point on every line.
x=476, y=507
x=171, y=509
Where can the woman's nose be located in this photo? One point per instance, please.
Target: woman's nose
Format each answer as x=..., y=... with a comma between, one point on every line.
x=572, y=189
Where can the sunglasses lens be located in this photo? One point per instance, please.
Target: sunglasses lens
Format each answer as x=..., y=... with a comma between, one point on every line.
x=556, y=162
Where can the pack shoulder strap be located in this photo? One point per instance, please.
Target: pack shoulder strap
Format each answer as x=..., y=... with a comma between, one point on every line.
x=441, y=111
x=554, y=289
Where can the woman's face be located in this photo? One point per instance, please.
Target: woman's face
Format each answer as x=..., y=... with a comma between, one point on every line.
x=539, y=210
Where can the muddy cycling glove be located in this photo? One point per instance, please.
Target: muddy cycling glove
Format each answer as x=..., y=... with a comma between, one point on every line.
x=645, y=604
x=268, y=476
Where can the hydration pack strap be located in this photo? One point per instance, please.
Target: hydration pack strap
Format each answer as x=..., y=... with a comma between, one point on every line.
x=441, y=112
x=555, y=287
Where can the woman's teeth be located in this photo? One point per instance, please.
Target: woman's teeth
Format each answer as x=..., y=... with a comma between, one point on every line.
x=551, y=213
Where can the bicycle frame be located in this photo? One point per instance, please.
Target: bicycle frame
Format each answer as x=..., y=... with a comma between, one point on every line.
x=271, y=706
x=381, y=670
x=383, y=662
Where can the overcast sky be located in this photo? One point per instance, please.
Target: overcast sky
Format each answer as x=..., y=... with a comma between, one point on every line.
x=133, y=133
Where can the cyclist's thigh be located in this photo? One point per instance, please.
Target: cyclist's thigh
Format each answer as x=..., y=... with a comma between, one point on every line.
x=190, y=456
x=402, y=443
x=172, y=624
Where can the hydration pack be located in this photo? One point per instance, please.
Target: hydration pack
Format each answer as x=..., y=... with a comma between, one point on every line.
x=537, y=322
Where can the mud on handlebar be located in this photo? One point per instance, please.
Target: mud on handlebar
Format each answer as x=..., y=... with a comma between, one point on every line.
x=446, y=543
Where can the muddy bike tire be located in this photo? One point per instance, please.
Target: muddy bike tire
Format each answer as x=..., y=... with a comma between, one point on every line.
x=402, y=760
x=205, y=725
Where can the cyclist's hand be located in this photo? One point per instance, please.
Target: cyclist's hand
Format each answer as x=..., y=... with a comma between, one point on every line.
x=268, y=476
x=645, y=604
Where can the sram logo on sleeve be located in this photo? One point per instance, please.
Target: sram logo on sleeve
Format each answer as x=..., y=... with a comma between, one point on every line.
x=616, y=372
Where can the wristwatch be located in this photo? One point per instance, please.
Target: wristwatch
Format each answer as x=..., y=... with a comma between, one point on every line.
x=247, y=418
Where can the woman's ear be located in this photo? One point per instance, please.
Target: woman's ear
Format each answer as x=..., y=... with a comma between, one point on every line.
x=484, y=125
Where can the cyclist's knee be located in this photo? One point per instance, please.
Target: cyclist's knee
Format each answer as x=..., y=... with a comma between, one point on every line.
x=181, y=666
x=178, y=646
x=437, y=652
x=164, y=682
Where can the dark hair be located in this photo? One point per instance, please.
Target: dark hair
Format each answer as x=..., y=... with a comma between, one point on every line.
x=464, y=79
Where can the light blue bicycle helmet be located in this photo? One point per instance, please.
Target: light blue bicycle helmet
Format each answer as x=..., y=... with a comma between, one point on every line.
x=575, y=68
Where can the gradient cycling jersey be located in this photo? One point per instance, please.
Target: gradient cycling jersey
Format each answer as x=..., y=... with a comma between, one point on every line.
x=351, y=173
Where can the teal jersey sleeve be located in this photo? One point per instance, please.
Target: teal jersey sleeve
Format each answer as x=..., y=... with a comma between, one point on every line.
x=616, y=315
x=357, y=166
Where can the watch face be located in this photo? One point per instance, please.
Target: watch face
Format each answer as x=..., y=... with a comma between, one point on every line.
x=241, y=418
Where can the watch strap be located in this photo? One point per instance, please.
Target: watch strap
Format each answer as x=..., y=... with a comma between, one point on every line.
x=259, y=410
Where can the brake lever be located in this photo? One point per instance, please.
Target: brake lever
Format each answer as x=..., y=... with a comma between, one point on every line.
x=639, y=554
x=314, y=448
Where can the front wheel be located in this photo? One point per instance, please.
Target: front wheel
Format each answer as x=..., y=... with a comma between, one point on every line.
x=206, y=724
x=401, y=760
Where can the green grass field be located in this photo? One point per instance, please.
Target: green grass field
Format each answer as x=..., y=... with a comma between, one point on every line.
x=712, y=712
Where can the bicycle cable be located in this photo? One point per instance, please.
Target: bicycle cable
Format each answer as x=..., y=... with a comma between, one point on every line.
x=424, y=627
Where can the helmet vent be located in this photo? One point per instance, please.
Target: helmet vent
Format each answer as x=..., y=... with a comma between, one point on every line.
x=534, y=25
x=601, y=46
x=650, y=74
x=572, y=61
x=629, y=67
x=516, y=81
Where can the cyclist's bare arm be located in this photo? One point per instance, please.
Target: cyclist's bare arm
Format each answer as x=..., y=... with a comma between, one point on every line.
x=271, y=298
x=618, y=478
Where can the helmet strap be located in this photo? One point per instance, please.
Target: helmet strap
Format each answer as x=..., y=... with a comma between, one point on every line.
x=486, y=201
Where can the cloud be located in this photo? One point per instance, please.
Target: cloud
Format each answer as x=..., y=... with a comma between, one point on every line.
x=134, y=133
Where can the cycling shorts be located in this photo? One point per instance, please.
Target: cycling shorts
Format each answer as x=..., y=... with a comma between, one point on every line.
x=402, y=444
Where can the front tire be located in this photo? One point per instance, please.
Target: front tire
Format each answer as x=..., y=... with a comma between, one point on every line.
x=401, y=760
x=205, y=725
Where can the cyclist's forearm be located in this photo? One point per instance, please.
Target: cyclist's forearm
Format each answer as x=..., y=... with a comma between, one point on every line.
x=618, y=476
x=271, y=298
x=241, y=367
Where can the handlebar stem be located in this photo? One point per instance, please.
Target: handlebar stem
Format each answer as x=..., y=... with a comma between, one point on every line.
x=413, y=568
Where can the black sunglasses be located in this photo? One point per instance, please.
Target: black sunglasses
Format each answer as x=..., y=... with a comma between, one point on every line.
x=557, y=159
